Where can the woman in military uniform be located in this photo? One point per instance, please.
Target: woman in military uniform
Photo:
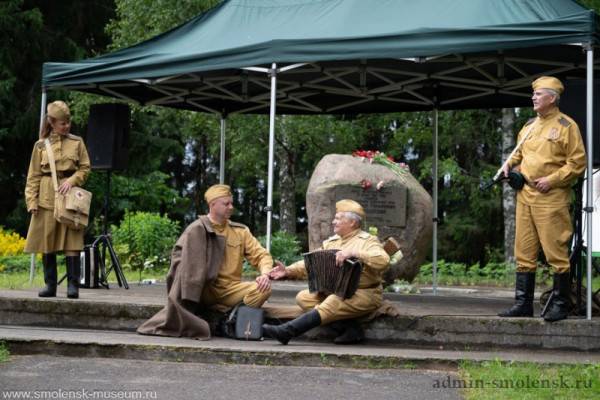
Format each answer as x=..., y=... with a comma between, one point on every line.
x=46, y=235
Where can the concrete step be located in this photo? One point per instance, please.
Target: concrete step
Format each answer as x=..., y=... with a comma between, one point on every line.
x=26, y=340
x=448, y=322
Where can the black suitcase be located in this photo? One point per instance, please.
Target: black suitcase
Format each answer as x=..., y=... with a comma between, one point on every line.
x=91, y=268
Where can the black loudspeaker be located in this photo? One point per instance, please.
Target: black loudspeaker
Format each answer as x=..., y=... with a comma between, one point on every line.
x=573, y=103
x=107, y=136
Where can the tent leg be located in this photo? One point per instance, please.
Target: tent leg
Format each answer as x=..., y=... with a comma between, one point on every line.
x=435, y=199
x=42, y=114
x=222, y=154
x=589, y=209
x=273, y=74
x=31, y=268
x=43, y=108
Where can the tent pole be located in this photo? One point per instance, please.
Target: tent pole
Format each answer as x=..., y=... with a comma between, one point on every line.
x=43, y=108
x=435, y=198
x=273, y=73
x=589, y=209
x=222, y=154
x=42, y=113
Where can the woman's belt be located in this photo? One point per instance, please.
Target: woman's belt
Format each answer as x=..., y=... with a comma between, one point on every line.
x=60, y=174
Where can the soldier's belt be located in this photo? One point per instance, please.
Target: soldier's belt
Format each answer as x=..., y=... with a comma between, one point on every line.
x=60, y=174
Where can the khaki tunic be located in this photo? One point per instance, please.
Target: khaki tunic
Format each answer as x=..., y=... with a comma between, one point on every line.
x=553, y=149
x=45, y=234
x=228, y=288
x=369, y=295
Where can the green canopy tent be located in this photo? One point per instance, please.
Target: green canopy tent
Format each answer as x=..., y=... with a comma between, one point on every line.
x=350, y=56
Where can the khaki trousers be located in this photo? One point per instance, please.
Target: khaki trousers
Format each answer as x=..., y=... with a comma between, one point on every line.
x=234, y=293
x=547, y=227
x=333, y=308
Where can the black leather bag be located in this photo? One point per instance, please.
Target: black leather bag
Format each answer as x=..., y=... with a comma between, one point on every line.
x=245, y=323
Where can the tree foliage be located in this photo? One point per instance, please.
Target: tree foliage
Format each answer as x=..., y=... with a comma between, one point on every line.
x=174, y=155
x=161, y=139
x=35, y=31
x=139, y=20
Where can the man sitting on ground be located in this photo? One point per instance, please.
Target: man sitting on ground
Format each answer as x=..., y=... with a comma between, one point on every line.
x=206, y=270
x=321, y=309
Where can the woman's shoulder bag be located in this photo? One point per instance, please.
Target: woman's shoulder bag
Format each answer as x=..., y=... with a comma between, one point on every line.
x=72, y=209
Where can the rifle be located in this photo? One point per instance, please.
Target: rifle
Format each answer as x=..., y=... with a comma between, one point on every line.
x=515, y=179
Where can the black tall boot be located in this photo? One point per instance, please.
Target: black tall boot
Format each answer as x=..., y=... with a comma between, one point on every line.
x=73, y=276
x=524, y=289
x=293, y=328
x=351, y=332
x=49, y=263
x=561, y=302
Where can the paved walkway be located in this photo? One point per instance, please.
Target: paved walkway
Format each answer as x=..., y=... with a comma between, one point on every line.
x=120, y=344
x=132, y=379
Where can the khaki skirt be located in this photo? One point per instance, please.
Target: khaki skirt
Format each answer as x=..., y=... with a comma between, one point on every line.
x=46, y=235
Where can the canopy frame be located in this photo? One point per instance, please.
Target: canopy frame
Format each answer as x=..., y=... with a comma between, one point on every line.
x=493, y=54
x=464, y=77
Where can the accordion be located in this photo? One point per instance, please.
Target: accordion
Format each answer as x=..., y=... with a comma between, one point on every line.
x=327, y=278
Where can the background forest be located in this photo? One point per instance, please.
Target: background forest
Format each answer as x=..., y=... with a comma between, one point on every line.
x=173, y=155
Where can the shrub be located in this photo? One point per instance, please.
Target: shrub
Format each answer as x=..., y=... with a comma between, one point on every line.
x=497, y=270
x=20, y=263
x=285, y=247
x=449, y=273
x=11, y=243
x=144, y=240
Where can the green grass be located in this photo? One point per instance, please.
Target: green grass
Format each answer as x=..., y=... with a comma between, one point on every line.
x=4, y=354
x=500, y=380
x=20, y=280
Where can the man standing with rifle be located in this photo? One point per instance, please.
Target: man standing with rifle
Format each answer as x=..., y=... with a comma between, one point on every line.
x=551, y=157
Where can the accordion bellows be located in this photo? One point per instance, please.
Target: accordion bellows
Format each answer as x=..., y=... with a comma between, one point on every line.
x=327, y=278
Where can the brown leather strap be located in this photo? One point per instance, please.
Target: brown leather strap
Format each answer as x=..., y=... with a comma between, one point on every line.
x=60, y=174
x=52, y=163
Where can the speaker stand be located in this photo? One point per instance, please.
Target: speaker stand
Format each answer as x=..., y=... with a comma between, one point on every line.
x=104, y=243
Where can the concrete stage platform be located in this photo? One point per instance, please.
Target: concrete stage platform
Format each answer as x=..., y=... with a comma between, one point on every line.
x=457, y=319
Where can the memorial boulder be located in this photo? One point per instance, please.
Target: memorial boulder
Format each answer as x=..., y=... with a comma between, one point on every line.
x=394, y=201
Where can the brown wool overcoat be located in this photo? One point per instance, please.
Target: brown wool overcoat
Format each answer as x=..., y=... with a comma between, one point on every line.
x=195, y=260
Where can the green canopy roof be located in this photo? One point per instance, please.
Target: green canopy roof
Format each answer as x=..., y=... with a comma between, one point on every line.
x=357, y=55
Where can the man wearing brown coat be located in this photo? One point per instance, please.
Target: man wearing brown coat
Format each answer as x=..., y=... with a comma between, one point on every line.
x=206, y=270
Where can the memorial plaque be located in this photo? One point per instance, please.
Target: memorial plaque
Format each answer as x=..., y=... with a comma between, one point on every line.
x=384, y=207
x=401, y=209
